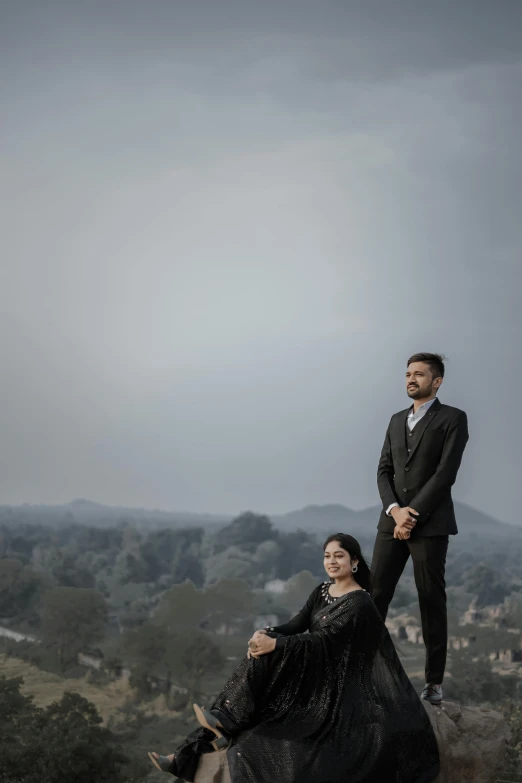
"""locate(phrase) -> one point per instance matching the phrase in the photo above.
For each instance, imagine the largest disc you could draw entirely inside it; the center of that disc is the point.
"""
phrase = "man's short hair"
(435, 362)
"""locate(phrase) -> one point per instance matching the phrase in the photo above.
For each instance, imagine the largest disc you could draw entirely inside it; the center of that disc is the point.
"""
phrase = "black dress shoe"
(432, 693)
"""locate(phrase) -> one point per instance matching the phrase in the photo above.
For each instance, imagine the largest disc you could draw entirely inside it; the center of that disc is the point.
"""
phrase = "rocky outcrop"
(213, 768)
(472, 742)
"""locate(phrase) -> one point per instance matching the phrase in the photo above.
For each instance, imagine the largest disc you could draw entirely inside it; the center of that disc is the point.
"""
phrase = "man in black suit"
(419, 462)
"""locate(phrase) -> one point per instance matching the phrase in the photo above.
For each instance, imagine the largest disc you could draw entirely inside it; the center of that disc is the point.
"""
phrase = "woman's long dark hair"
(363, 576)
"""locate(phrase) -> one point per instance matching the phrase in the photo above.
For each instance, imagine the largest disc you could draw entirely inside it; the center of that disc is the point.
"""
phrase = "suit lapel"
(402, 436)
(422, 426)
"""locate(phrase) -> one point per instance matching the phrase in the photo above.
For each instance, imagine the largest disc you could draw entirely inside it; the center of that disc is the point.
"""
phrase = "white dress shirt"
(411, 421)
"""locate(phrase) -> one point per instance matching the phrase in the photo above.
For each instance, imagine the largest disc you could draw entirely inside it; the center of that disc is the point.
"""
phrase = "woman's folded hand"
(260, 644)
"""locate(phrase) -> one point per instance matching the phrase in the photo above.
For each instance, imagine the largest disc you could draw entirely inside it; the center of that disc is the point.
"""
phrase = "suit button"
(404, 490)
(411, 434)
(406, 469)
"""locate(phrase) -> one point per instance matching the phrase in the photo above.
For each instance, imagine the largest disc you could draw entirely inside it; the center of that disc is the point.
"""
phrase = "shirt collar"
(422, 408)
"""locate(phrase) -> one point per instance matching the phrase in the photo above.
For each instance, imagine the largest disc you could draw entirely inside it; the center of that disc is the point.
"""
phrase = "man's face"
(420, 383)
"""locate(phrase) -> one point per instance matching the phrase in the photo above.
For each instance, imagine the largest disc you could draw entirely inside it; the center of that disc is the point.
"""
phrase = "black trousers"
(428, 553)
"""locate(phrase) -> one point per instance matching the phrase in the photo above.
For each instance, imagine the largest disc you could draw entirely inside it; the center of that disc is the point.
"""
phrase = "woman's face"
(337, 561)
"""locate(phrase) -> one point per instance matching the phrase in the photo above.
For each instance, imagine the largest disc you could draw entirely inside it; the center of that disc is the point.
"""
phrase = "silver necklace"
(331, 599)
(325, 592)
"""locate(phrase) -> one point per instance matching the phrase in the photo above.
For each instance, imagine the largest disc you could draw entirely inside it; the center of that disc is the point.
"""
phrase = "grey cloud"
(225, 232)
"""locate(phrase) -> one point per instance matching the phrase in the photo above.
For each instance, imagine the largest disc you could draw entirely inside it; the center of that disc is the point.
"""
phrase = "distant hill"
(88, 512)
(321, 519)
(337, 518)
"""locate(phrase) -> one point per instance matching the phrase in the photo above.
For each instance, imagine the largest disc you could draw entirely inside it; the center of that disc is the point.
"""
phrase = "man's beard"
(419, 394)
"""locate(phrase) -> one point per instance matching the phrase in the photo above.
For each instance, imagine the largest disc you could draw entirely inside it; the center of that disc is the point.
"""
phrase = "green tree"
(182, 607)
(174, 552)
(194, 658)
(68, 572)
(132, 603)
(267, 557)
(18, 586)
(513, 713)
(60, 564)
(129, 565)
(146, 650)
(473, 681)
(73, 619)
(231, 564)
(181, 658)
(140, 681)
(299, 552)
(131, 568)
(486, 585)
(403, 597)
(229, 600)
(513, 617)
(63, 742)
(147, 644)
(297, 590)
(246, 531)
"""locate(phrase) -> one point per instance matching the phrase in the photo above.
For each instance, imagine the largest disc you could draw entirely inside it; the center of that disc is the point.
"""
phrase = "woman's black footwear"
(209, 721)
(163, 763)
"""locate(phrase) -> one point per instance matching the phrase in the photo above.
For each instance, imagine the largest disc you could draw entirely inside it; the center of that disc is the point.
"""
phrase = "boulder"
(213, 768)
(472, 742)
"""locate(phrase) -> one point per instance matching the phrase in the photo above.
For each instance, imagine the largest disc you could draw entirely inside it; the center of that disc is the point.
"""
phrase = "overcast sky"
(226, 225)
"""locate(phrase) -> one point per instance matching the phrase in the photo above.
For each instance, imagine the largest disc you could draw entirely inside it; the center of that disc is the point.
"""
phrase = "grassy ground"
(162, 729)
(47, 688)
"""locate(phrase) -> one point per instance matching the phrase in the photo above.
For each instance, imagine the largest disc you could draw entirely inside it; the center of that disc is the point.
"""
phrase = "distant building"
(91, 658)
(506, 656)
(275, 586)
(461, 642)
(405, 628)
(265, 621)
(486, 616)
(472, 616)
(7, 633)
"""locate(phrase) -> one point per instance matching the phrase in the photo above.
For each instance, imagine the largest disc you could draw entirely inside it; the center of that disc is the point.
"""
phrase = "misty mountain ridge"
(323, 518)
(319, 518)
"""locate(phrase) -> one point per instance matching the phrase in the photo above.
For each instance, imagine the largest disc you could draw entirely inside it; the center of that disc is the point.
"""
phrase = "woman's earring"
(355, 568)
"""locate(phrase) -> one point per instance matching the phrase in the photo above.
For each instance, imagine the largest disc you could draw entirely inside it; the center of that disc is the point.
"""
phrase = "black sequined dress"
(331, 704)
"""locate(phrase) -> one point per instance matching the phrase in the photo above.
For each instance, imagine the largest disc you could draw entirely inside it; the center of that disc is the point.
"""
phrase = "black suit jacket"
(423, 478)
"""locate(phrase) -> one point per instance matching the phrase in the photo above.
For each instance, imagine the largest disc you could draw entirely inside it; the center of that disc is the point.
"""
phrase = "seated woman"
(321, 699)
